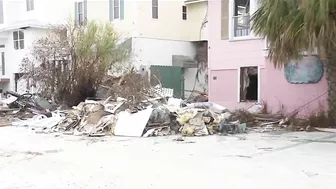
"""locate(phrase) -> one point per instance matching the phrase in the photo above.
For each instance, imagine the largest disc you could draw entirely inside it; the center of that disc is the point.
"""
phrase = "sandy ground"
(270, 161)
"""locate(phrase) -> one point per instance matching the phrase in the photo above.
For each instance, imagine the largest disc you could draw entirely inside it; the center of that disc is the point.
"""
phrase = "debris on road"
(25, 106)
(156, 116)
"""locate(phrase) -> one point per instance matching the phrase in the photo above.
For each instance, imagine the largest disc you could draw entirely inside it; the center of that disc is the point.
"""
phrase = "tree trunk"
(331, 77)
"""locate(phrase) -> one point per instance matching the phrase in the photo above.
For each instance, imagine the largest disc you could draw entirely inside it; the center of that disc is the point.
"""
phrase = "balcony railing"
(241, 25)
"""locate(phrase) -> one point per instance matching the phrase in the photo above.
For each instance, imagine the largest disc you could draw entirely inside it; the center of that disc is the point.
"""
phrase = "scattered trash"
(25, 105)
(179, 139)
(159, 131)
(232, 128)
(195, 127)
(40, 122)
(257, 108)
(208, 105)
(175, 102)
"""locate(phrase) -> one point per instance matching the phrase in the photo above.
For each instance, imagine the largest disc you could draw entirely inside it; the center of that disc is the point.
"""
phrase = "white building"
(164, 33)
(21, 23)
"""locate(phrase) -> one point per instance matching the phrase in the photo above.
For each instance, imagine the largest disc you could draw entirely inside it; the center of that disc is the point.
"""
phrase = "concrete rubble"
(157, 116)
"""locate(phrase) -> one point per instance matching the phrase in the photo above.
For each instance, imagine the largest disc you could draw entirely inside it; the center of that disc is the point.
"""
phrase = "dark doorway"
(249, 84)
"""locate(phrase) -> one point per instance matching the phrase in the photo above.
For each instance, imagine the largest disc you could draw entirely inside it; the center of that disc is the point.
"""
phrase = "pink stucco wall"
(310, 98)
(223, 88)
(225, 58)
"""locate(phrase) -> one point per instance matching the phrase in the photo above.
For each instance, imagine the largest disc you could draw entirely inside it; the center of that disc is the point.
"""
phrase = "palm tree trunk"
(331, 77)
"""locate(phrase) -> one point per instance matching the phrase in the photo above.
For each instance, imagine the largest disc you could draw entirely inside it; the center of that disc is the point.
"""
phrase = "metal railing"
(241, 25)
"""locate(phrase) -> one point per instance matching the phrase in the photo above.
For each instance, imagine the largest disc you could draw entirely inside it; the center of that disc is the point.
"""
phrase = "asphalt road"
(282, 160)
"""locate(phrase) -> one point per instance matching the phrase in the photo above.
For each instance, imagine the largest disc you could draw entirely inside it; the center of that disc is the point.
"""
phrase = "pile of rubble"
(159, 116)
(22, 106)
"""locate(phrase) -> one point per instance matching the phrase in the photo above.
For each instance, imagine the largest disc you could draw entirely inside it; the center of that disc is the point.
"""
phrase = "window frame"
(17, 42)
(1, 12)
(30, 5)
(184, 12)
(232, 4)
(116, 7)
(80, 12)
(155, 9)
(3, 63)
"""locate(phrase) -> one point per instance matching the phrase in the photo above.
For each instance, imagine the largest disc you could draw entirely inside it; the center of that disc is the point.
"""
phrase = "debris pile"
(156, 116)
(24, 106)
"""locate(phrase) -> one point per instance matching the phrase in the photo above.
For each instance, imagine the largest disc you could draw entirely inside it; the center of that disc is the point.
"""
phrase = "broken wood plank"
(265, 119)
(273, 116)
(5, 124)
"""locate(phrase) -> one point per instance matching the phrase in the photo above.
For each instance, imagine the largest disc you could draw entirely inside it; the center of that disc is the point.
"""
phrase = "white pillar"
(253, 8)
(231, 13)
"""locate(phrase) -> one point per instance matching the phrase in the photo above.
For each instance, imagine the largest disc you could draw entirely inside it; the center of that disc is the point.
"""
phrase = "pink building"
(240, 74)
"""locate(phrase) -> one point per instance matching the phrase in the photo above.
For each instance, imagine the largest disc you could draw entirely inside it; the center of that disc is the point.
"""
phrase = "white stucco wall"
(60, 11)
(147, 51)
(138, 21)
(13, 58)
(45, 11)
(98, 10)
(197, 14)
(170, 24)
(14, 10)
(15, 14)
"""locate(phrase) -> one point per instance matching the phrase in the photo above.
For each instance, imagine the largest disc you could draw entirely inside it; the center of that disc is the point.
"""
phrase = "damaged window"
(241, 18)
(242, 7)
(249, 84)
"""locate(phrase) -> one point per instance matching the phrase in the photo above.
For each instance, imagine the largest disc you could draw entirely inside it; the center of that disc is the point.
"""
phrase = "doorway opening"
(249, 84)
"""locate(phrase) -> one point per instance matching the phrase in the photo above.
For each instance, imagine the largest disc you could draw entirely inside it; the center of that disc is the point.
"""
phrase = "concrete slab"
(277, 160)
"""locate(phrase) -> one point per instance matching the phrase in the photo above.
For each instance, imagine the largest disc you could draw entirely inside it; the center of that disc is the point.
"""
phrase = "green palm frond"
(293, 26)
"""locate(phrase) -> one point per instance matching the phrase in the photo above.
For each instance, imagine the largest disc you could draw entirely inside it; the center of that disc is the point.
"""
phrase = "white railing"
(241, 25)
(193, 1)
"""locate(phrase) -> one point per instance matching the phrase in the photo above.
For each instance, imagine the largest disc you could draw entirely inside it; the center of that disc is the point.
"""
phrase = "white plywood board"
(132, 124)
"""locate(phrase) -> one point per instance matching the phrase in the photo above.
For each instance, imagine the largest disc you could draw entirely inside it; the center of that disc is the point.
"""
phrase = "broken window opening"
(249, 84)
(242, 7)
(241, 18)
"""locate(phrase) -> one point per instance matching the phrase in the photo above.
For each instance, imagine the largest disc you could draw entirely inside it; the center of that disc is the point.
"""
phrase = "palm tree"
(295, 26)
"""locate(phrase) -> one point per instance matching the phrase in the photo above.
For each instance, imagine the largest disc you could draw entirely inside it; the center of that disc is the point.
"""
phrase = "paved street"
(277, 160)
